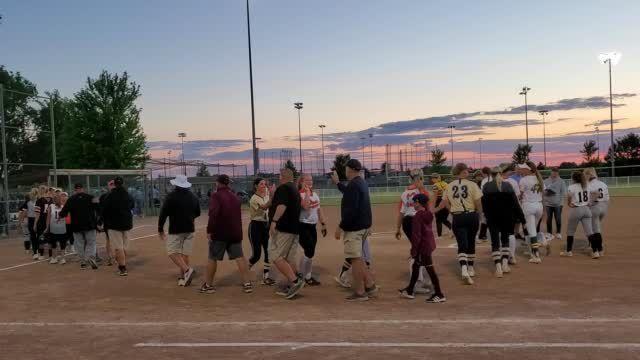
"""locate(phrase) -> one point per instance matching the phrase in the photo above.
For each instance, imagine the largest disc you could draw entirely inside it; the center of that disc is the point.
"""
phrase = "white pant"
(533, 214)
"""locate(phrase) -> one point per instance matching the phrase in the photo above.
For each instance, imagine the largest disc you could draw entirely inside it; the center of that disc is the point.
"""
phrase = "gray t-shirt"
(30, 208)
(555, 192)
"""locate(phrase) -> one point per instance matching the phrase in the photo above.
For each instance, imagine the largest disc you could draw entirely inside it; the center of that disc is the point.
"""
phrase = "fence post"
(5, 169)
(53, 144)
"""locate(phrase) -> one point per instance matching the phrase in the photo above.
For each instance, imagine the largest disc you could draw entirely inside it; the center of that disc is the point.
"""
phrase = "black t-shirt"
(42, 205)
(288, 195)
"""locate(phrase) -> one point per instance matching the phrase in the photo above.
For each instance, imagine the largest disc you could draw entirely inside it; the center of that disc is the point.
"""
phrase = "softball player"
(439, 187)
(463, 199)
(531, 188)
(507, 173)
(310, 215)
(406, 212)
(599, 192)
(579, 212)
(259, 228)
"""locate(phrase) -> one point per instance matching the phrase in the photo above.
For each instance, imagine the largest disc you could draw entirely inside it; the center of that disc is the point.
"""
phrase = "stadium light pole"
(363, 149)
(525, 91)
(611, 59)
(322, 126)
(298, 106)
(598, 141)
(480, 145)
(370, 151)
(544, 113)
(451, 127)
(257, 155)
(253, 117)
(183, 135)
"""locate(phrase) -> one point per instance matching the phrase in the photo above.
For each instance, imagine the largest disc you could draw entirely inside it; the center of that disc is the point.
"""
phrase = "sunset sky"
(400, 70)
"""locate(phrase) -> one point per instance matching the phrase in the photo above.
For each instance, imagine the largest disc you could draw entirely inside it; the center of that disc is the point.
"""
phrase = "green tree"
(521, 153)
(203, 171)
(437, 158)
(568, 165)
(104, 131)
(627, 150)
(340, 165)
(588, 151)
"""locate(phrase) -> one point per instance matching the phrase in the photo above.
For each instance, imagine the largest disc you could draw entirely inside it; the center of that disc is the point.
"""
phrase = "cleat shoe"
(467, 280)
(404, 294)
(505, 266)
(268, 282)
(596, 255)
(355, 297)
(566, 254)
(207, 289)
(535, 259)
(62, 261)
(342, 282)
(471, 271)
(53, 260)
(436, 299)
(35, 256)
(247, 288)
(499, 271)
(180, 282)
(93, 263)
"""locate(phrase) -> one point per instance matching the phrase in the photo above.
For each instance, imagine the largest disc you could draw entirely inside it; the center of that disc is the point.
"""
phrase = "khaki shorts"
(353, 241)
(283, 246)
(119, 239)
(180, 244)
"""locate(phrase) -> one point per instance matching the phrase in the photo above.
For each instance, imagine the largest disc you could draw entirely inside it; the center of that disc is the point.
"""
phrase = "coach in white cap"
(181, 206)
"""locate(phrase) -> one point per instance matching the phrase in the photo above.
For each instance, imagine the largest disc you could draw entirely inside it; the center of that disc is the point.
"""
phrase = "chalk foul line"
(299, 345)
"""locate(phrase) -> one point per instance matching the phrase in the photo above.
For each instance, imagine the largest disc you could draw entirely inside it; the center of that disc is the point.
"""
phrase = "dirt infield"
(565, 308)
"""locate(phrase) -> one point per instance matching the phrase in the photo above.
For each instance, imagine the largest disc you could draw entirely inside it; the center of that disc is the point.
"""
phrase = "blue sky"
(356, 64)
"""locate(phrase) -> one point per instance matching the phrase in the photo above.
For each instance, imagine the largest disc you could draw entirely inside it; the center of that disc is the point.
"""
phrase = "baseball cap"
(78, 186)
(118, 181)
(354, 164)
(224, 179)
(421, 199)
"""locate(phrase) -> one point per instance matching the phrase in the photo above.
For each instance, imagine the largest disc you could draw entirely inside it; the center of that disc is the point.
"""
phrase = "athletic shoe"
(505, 266)
(247, 288)
(181, 282)
(109, 262)
(471, 271)
(356, 297)
(535, 259)
(312, 282)
(467, 280)
(93, 263)
(41, 257)
(123, 272)
(53, 260)
(499, 272)
(372, 291)
(268, 282)
(513, 260)
(566, 253)
(436, 299)
(62, 261)
(207, 289)
(83, 266)
(342, 282)
(404, 294)
(98, 259)
(283, 291)
(295, 289)
(559, 236)
(596, 255)
(188, 276)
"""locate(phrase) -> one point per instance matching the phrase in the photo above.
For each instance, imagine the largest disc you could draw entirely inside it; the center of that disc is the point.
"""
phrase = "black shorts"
(217, 249)
(55, 239)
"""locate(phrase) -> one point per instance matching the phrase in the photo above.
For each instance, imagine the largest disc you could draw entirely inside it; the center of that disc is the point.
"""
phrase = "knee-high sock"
(434, 280)
(305, 267)
(512, 245)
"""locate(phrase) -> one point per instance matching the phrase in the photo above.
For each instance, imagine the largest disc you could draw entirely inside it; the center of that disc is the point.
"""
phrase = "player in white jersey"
(531, 188)
(599, 192)
(579, 212)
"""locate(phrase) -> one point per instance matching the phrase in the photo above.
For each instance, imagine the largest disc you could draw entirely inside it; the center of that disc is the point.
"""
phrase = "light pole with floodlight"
(183, 135)
(612, 58)
(451, 127)
(322, 126)
(525, 91)
(544, 113)
(298, 106)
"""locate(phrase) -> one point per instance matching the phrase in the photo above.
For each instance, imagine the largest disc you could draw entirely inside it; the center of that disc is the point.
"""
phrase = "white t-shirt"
(515, 186)
(310, 216)
(406, 201)
(602, 190)
(577, 195)
(530, 189)
(58, 224)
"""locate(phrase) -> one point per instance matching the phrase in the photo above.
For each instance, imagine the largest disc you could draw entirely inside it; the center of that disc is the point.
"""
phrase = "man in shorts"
(118, 221)
(225, 235)
(284, 231)
(83, 213)
(356, 219)
(182, 207)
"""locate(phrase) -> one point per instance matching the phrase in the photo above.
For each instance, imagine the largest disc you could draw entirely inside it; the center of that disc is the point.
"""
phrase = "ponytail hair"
(535, 171)
(579, 178)
(496, 172)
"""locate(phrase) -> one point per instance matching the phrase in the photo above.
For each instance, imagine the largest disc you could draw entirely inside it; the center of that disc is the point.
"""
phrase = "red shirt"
(225, 220)
(423, 243)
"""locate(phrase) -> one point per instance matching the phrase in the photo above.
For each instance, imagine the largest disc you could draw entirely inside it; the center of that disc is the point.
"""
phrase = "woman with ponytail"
(531, 188)
(578, 200)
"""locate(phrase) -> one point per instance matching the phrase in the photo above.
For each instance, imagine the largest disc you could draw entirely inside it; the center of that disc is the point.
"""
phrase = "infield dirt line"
(300, 345)
(531, 321)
